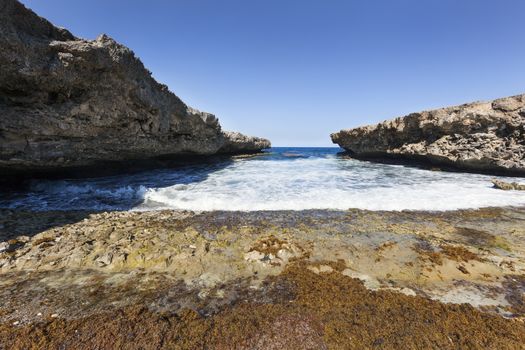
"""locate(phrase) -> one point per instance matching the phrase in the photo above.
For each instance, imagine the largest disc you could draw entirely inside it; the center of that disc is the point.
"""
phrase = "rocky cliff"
(487, 137)
(68, 102)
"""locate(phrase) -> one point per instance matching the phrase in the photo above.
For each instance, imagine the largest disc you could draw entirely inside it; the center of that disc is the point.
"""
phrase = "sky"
(295, 71)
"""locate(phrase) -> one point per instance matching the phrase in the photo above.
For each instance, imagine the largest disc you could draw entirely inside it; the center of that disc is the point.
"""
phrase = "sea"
(281, 178)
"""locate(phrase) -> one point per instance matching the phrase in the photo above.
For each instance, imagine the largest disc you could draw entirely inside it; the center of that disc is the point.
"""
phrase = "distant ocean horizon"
(281, 178)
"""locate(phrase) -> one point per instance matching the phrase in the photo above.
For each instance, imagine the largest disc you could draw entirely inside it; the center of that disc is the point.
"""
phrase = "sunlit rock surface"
(484, 137)
(263, 279)
(67, 102)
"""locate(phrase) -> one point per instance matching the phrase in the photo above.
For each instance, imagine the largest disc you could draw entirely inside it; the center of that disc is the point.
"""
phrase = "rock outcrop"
(487, 137)
(236, 143)
(508, 186)
(68, 102)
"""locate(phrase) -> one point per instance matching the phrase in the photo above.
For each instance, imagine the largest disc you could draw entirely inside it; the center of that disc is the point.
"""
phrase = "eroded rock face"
(481, 136)
(235, 142)
(65, 101)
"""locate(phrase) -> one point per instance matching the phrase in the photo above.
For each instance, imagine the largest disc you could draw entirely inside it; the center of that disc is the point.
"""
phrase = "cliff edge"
(485, 137)
(68, 102)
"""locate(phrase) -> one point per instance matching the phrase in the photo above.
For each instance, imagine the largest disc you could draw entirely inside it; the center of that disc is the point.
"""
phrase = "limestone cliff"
(68, 102)
(486, 137)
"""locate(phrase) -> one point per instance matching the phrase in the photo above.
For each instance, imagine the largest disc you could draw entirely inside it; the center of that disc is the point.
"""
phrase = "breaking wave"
(285, 178)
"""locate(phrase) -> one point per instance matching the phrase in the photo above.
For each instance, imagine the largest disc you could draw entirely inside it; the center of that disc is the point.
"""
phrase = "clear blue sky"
(295, 71)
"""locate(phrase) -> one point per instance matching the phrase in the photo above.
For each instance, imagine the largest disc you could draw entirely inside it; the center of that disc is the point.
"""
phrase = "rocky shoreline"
(175, 279)
(286, 279)
(484, 137)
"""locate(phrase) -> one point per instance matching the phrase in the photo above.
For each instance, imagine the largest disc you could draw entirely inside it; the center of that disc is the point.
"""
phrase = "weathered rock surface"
(66, 102)
(508, 186)
(262, 280)
(484, 137)
(237, 143)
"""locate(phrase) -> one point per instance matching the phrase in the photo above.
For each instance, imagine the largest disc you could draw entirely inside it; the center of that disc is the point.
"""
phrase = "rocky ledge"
(68, 102)
(236, 142)
(263, 280)
(487, 137)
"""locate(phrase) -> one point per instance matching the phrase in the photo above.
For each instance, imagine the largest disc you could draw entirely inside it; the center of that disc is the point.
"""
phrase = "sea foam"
(283, 179)
(330, 183)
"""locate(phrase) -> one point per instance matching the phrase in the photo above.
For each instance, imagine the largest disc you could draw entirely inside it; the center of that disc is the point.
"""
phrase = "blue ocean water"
(281, 178)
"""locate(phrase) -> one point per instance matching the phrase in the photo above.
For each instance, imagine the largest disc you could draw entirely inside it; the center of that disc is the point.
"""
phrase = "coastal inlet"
(278, 179)
(188, 257)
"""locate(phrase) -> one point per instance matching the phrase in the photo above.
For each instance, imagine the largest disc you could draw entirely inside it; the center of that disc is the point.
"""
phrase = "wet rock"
(486, 137)
(508, 186)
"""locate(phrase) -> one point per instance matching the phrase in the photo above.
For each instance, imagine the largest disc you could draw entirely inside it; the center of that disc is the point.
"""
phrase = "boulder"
(508, 186)
(485, 137)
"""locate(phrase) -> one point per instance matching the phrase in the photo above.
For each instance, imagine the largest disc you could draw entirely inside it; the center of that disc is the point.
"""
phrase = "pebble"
(320, 269)
(254, 255)
(284, 254)
(325, 268)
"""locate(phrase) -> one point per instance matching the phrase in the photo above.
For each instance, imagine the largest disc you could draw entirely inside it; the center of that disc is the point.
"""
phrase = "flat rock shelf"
(314, 279)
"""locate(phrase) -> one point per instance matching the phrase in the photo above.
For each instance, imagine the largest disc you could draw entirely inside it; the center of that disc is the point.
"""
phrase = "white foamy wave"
(281, 180)
(330, 183)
